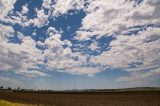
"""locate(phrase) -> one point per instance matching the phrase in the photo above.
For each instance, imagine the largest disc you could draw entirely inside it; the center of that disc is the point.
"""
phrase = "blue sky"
(79, 44)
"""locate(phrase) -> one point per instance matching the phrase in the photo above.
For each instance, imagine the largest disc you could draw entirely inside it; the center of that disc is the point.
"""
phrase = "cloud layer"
(134, 25)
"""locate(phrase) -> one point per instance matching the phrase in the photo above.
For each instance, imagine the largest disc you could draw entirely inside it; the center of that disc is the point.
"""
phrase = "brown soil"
(148, 98)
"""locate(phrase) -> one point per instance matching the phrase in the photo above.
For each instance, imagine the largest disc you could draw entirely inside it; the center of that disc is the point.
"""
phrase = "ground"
(127, 98)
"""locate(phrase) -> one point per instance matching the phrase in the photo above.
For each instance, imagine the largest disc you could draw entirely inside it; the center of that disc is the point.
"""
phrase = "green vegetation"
(6, 103)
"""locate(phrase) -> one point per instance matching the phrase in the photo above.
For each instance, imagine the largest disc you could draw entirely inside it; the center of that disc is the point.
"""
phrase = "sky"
(79, 44)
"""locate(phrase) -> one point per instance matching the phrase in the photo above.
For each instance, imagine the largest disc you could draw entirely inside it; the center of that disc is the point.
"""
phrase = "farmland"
(125, 98)
(6, 103)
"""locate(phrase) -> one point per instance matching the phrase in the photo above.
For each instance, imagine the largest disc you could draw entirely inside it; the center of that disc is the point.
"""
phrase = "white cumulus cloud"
(105, 17)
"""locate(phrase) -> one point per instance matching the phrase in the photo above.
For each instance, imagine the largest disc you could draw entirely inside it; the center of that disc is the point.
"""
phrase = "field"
(6, 103)
(127, 98)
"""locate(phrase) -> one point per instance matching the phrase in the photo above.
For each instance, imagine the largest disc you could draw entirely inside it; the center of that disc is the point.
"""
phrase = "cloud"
(105, 17)
(126, 50)
(83, 70)
(94, 46)
(6, 32)
(6, 6)
(141, 76)
(46, 3)
(51, 31)
(31, 74)
(133, 53)
(21, 17)
(24, 9)
(55, 9)
(18, 57)
(62, 7)
(40, 21)
(24, 58)
(60, 58)
(10, 81)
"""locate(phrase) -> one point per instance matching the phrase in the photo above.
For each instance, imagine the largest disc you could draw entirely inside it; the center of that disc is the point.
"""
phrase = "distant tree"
(1, 87)
(9, 88)
(18, 88)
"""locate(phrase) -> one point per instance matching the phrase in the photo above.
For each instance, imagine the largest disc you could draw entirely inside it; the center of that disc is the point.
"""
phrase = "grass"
(6, 103)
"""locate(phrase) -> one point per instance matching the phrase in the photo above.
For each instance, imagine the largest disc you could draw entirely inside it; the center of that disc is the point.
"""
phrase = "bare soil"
(140, 98)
